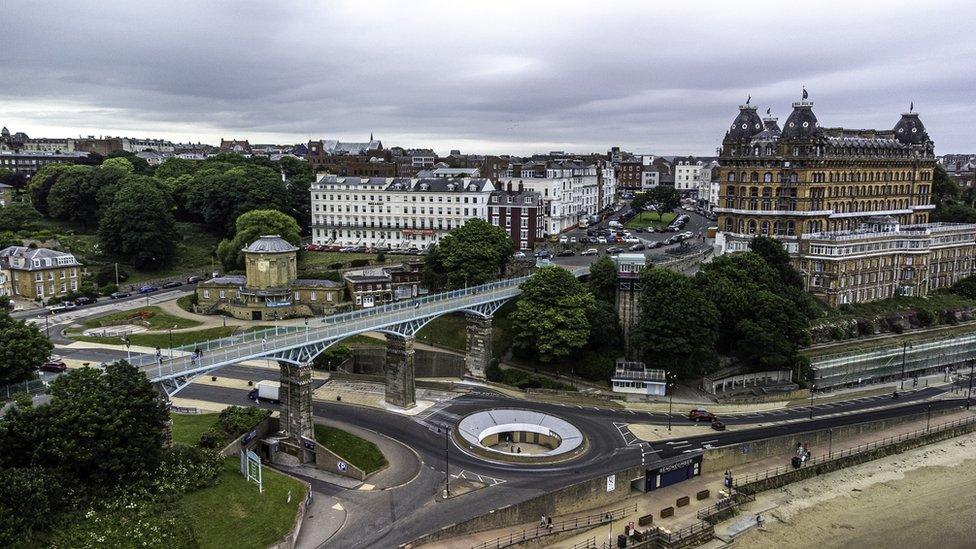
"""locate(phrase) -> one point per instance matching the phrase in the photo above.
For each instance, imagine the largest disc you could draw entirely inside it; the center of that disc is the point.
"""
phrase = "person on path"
(159, 356)
(199, 352)
(264, 344)
(542, 521)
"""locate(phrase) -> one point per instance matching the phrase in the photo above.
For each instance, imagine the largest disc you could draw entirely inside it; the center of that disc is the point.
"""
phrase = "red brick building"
(519, 213)
(629, 175)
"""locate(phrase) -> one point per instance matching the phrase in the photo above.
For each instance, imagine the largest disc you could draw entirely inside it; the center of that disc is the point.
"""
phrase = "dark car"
(614, 250)
(637, 248)
(53, 366)
(172, 284)
(85, 300)
(718, 425)
(119, 295)
(701, 414)
(148, 289)
(654, 245)
(193, 279)
(566, 253)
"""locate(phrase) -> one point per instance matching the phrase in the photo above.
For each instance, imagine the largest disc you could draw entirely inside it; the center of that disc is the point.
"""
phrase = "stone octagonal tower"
(271, 263)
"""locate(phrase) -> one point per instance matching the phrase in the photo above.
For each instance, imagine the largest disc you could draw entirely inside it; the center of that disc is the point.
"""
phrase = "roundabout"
(519, 436)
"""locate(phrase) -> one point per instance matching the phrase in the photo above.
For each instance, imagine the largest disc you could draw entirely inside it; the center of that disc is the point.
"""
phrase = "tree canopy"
(603, 280)
(472, 254)
(550, 319)
(22, 349)
(217, 195)
(664, 199)
(139, 225)
(249, 227)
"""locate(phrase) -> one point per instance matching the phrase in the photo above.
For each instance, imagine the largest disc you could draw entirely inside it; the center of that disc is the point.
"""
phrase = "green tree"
(604, 326)
(31, 499)
(174, 167)
(249, 227)
(40, 185)
(82, 192)
(218, 196)
(18, 217)
(22, 349)
(677, 326)
(139, 165)
(474, 253)
(603, 280)
(550, 318)
(943, 187)
(954, 212)
(965, 287)
(139, 225)
(664, 199)
(118, 163)
(776, 256)
(9, 238)
(101, 428)
(16, 180)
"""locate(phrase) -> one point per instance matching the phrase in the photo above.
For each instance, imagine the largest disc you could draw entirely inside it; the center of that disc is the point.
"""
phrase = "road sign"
(611, 483)
(252, 469)
(341, 465)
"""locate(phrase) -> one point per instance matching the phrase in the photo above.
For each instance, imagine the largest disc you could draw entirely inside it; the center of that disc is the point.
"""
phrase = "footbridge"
(294, 347)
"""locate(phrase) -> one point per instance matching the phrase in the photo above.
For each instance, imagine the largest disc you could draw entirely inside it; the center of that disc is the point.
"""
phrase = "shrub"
(232, 423)
(336, 266)
(359, 263)
(836, 332)
(381, 258)
(925, 317)
(865, 327)
(897, 328)
(187, 469)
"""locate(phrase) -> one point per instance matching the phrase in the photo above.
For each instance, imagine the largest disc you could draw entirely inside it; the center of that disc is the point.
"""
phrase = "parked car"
(613, 250)
(172, 284)
(718, 425)
(591, 251)
(519, 255)
(85, 300)
(654, 245)
(119, 295)
(194, 279)
(631, 240)
(566, 253)
(701, 414)
(637, 248)
(56, 366)
(148, 289)
(572, 240)
(563, 239)
(61, 307)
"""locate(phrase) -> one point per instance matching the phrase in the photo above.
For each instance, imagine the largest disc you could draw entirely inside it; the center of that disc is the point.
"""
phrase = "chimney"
(520, 185)
(508, 187)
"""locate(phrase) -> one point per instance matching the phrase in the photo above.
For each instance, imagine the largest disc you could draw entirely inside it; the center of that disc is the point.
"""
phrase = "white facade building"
(572, 191)
(687, 173)
(399, 212)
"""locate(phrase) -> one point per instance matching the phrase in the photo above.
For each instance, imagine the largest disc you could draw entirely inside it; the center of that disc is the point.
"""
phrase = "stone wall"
(581, 496)
(327, 460)
(426, 363)
(735, 455)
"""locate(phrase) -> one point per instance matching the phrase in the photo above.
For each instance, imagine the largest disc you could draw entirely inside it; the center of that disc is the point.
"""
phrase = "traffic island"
(515, 435)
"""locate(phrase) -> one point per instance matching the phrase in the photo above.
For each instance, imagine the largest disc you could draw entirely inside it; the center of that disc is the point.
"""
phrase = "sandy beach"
(922, 498)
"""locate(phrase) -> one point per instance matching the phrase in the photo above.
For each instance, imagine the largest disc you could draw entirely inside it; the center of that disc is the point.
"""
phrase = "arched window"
(767, 177)
(732, 176)
(752, 227)
(765, 227)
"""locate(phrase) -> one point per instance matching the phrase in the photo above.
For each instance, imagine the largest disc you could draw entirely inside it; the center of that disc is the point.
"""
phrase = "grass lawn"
(187, 428)
(646, 219)
(449, 331)
(363, 340)
(163, 340)
(234, 514)
(153, 316)
(361, 453)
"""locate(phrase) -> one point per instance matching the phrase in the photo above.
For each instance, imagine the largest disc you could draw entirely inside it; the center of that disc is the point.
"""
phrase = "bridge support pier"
(478, 355)
(400, 389)
(295, 395)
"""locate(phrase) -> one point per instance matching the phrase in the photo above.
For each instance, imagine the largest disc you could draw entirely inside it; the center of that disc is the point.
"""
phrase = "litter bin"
(621, 540)
(796, 462)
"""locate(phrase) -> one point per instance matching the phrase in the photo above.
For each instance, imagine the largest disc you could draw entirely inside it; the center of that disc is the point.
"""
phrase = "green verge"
(447, 331)
(187, 428)
(155, 317)
(650, 219)
(163, 340)
(361, 453)
(234, 514)
(362, 340)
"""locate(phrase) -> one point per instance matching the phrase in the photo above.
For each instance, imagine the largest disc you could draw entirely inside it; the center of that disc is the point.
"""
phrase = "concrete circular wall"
(481, 430)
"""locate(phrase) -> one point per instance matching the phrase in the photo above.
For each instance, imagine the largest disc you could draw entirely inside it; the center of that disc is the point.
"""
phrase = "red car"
(701, 414)
(53, 366)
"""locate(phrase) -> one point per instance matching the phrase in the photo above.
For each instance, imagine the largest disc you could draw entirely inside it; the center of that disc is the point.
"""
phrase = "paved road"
(402, 514)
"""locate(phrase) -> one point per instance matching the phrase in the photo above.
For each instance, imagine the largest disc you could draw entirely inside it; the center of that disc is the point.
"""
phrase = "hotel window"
(221, 294)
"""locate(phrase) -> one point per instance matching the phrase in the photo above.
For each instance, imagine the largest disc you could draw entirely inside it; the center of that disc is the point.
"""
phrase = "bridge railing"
(260, 343)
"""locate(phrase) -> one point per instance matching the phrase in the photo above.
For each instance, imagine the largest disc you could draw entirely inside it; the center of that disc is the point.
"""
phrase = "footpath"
(652, 503)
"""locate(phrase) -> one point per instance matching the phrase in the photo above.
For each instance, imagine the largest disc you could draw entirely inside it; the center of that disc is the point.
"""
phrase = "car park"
(148, 289)
(701, 414)
(172, 284)
(591, 251)
(53, 365)
(119, 295)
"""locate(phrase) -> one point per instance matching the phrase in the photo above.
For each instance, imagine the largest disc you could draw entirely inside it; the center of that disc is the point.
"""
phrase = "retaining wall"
(327, 460)
(261, 430)
(588, 494)
(726, 457)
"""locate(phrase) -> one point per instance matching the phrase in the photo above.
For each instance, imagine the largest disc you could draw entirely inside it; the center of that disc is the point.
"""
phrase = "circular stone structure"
(516, 435)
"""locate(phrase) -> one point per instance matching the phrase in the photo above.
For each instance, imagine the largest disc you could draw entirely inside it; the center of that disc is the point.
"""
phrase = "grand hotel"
(851, 206)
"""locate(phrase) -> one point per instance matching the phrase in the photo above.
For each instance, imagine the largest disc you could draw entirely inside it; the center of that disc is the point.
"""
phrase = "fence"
(566, 525)
(742, 483)
(32, 387)
(588, 544)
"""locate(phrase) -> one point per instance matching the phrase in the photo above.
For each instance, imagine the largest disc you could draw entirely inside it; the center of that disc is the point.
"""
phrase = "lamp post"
(274, 316)
(830, 443)
(928, 416)
(171, 342)
(670, 385)
(812, 387)
(904, 347)
(970, 393)
(128, 354)
(447, 462)
(47, 327)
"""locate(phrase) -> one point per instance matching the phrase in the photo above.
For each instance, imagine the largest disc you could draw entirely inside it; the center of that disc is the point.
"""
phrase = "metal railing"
(587, 544)
(831, 456)
(178, 361)
(565, 525)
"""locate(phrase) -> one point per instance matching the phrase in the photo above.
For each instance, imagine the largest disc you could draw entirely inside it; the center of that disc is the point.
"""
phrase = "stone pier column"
(400, 390)
(295, 395)
(478, 356)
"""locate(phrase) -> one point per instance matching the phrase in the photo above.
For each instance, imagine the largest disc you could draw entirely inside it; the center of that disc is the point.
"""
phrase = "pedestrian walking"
(199, 352)
(549, 522)
(159, 356)
(542, 521)
(264, 344)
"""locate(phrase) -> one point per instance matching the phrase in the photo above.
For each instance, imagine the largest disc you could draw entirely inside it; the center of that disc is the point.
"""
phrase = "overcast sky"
(494, 76)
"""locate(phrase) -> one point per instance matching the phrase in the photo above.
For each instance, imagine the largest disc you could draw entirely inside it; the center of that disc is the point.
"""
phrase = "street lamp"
(447, 462)
(970, 393)
(904, 347)
(171, 342)
(812, 387)
(670, 385)
(274, 316)
(47, 327)
(830, 443)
